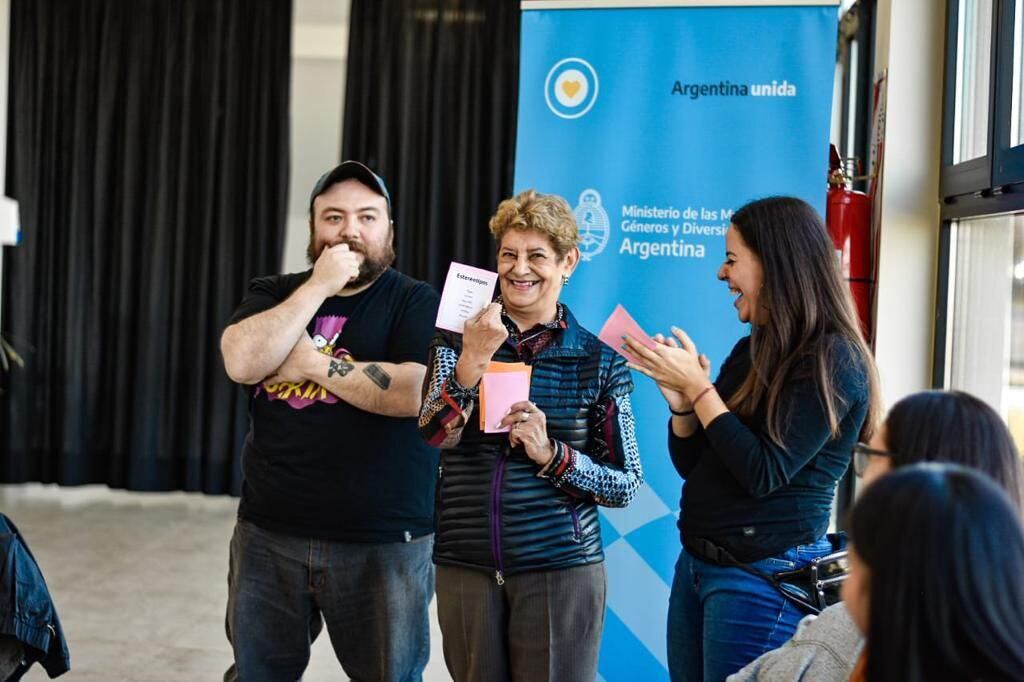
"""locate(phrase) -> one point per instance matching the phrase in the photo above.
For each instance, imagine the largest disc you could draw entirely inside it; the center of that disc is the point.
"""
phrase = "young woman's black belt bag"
(811, 588)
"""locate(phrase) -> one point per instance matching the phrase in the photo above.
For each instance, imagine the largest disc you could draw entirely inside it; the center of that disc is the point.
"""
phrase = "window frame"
(943, 303)
(982, 187)
(975, 175)
(1008, 162)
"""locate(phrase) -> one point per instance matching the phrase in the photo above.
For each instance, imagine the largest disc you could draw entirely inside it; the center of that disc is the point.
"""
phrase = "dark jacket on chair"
(26, 611)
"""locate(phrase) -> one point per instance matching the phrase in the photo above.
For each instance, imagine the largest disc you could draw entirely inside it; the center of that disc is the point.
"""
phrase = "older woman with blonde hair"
(520, 574)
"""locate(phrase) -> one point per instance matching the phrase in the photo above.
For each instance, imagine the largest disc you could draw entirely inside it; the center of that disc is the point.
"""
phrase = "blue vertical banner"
(656, 124)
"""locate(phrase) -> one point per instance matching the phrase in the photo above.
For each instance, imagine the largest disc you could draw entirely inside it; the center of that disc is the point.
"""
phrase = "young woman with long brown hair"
(762, 447)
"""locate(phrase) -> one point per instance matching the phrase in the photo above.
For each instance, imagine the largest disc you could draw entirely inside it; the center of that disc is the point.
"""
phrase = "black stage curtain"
(148, 148)
(430, 103)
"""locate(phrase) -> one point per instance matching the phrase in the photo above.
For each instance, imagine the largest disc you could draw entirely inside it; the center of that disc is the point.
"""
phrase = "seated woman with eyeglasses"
(931, 426)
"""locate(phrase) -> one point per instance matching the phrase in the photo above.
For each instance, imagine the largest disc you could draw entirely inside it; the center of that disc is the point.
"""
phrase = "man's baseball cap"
(350, 170)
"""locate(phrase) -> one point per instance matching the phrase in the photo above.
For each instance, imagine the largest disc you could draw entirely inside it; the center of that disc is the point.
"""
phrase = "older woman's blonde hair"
(548, 214)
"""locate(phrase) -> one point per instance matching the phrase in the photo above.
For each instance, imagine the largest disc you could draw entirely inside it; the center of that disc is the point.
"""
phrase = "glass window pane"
(973, 67)
(1017, 111)
(986, 331)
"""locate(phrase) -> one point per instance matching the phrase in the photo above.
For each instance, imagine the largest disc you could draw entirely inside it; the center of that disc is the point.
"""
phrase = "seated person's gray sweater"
(824, 648)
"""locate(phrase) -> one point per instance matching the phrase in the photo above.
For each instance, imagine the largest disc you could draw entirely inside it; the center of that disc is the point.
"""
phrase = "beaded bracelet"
(702, 394)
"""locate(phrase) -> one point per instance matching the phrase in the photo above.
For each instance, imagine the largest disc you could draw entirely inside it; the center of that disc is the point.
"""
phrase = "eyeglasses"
(862, 454)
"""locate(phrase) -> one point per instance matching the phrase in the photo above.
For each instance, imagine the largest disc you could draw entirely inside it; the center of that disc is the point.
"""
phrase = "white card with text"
(467, 291)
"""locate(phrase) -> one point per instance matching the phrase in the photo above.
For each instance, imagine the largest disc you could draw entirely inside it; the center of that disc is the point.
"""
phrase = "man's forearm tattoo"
(341, 367)
(378, 376)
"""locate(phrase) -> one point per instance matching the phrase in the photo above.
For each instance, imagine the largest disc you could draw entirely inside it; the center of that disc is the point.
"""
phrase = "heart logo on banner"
(570, 88)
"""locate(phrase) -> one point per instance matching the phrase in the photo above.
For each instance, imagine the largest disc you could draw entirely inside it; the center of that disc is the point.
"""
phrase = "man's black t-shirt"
(316, 466)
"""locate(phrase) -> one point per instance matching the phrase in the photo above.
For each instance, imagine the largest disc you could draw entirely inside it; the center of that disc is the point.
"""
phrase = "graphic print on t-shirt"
(326, 331)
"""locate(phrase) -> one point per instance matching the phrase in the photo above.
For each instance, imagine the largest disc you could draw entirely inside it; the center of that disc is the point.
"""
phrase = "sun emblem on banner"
(570, 89)
(592, 221)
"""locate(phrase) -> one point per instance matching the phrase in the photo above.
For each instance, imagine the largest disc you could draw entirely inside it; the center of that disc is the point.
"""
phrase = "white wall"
(319, 59)
(909, 43)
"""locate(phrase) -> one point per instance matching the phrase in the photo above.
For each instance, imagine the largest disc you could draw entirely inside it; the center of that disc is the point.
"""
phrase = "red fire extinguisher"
(848, 219)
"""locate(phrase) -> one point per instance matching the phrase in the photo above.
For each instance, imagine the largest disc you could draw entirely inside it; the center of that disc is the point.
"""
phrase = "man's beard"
(371, 267)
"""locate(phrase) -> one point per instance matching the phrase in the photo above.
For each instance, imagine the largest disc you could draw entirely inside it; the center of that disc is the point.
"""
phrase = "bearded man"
(335, 523)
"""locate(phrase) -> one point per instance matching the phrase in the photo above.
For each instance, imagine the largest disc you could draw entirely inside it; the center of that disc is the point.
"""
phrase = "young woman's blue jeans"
(721, 618)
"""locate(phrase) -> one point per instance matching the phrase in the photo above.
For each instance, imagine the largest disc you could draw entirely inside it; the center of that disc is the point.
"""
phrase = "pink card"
(622, 324)
(502, 389)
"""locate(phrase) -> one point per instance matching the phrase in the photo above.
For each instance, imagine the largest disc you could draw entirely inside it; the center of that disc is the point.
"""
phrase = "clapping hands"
(680, 371)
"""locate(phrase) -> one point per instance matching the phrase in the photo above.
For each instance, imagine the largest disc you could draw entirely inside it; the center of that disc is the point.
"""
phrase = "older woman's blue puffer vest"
(493, 512)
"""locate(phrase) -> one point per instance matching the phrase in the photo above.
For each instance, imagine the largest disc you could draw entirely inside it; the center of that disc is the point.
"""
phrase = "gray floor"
(139, 582)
